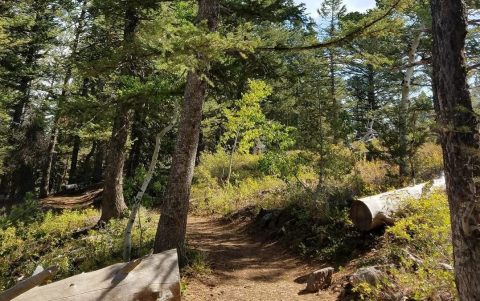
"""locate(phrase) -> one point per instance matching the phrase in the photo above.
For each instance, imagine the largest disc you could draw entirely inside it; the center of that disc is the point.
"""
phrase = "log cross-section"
(152, 278)
(371, 212)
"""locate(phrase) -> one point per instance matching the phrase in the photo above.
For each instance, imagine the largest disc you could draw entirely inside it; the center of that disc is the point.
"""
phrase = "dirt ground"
(245, 268)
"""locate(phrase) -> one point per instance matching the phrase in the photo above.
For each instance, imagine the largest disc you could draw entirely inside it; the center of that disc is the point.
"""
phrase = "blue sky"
(352, 5)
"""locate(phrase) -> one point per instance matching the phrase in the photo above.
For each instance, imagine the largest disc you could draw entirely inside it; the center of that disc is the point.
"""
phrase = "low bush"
(417, 252)
(250, 184)
(428, 161)
(374, 176)
(46, 239)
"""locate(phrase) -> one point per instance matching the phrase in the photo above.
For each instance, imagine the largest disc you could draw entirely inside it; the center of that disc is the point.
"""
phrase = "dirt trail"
(244, 268)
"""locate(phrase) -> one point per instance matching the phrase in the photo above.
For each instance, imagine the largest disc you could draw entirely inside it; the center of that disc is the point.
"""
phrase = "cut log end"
(361, 216)
(374, 211)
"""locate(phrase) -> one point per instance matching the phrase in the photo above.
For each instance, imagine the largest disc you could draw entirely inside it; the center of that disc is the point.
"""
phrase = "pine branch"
(335, 42)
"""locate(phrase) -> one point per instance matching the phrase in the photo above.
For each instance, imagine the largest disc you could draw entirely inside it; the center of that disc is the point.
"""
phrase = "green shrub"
(428, 161)
(48, 240)
(419, 246)
(374, 176)
(209, 194)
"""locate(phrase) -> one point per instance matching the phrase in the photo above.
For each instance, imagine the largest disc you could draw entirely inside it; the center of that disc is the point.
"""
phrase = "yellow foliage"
(210, 193)
(428, 161)
(374, 175)
(421, 241)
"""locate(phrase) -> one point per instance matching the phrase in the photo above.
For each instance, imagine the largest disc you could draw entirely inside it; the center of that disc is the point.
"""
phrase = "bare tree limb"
(127, 242)
(334, 42)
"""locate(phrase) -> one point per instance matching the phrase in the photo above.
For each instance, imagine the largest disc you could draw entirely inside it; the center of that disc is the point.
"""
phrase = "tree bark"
(173, 220)
(404, 106)
(371, 97)
(46, 174)
(460, 141)
(138, 139)
(98, 162)
(230, 163)
(113, 204)
(374, 211)
(72, 175)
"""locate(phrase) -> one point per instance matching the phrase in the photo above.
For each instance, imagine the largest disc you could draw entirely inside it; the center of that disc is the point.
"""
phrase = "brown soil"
(245, 268)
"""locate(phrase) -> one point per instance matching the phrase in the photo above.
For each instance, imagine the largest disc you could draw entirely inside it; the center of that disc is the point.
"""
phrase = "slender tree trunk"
(46, 175)
(404, 106)
(173, 220)
(113, 204)
(21, 106)
(230, 163)
(321, 167)
(98, 163)
(137, 138)
(371, 97)
(460, 141)
(72, 175)
(127, 242)
(47, 169)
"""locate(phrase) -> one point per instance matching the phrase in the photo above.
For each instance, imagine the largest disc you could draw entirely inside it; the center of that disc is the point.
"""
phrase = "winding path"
(244, 268)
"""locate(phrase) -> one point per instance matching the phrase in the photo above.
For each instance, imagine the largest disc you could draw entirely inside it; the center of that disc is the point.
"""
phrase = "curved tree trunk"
(113, 204)
(173, 220)
(457, 123)
(127, 241)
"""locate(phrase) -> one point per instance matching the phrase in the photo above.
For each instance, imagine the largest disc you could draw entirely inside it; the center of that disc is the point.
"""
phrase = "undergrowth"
(417, 252)
(30, 237)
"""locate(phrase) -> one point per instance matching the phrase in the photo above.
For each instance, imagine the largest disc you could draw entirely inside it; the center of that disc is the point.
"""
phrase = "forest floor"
(246, 268)
(242, 265)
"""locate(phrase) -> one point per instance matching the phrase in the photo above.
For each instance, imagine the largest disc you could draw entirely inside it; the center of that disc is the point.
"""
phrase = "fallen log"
(154, 277)
(29, 283)
(374, 211)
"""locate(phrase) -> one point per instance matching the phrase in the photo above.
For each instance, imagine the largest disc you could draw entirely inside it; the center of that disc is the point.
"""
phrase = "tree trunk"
(173, 220)
(47, 169)
(113, 203)
(72, 176)
(137, 138)
(457, 124)
(230, 163)
(404, 106)
(46, 174)
(98, 163)
(371, 97)
(21, 106)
